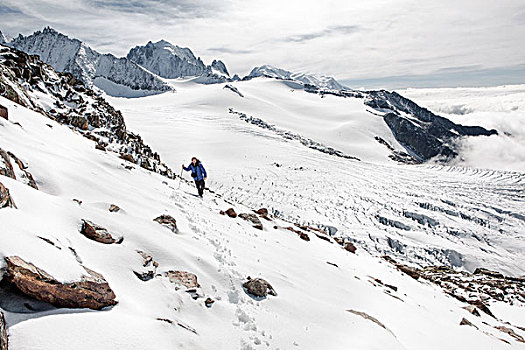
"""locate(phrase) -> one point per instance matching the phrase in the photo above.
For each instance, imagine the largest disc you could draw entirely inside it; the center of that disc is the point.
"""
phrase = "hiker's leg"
(197, 185)
(201, 187)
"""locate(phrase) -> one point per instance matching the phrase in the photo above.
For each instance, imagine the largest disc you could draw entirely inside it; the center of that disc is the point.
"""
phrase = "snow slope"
(310, 310)
(501, 108)
(425, 214)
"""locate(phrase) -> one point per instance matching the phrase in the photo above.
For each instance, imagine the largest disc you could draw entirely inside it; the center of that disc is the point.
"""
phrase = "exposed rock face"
(220, 67)
(3, 332)
(168, 221)
(187, 279)
(98, 233)
(23, 78)
(465, 322)
(424, 134)
(167, 60)
(349, 246)
(5, 198)
(304, 236)
(253, 219)
(511, 332)
(231, 213)
(4, 113)
(75, 57)
(259, 287)
(92, 291)
(10, 170)
(262, 212)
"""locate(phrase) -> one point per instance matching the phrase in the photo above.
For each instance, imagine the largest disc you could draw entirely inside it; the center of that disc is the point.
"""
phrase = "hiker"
(198, 173)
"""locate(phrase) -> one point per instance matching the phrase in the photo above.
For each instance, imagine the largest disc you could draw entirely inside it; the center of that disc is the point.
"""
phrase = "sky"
(370, 44)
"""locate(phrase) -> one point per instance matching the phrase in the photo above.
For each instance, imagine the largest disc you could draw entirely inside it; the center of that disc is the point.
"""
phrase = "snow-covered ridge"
(319, 81)
(74, 56)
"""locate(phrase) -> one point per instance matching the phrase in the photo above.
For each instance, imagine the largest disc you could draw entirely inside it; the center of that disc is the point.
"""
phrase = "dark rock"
(167, 221)
(253, 219)
(231, 213)
(209, 302)
(482, 271)
(6, 168)
(4, 112)
(148, 259)
(5, 198)
(473, 310)
(145, 276)
(511, 332)
(184, 278)
(465, 322)
(80, 122)
(411, 271)
(91, 291)
(77, 200)
(349, 246)
(3, 332)
(114, 208)
(128, 157)
(98, 233)
(100, 147)
(482, 306)
(258, 287)
(262, 212)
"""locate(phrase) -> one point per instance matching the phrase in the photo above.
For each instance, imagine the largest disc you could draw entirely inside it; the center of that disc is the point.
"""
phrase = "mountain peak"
(319, 81)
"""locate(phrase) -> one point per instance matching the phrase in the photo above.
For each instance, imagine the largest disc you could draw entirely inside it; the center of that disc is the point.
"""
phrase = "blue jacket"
(199, 169)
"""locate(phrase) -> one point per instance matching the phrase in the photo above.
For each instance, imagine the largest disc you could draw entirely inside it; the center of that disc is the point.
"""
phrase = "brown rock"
(349, 246)
(465, 322)
(114, 208)
(323, 236)
(259, 287)
(482, 306)
(411, 271)
(98, 233)
(26, 175)
(231, 213)
(80, 122)
(185, 278)
(3, 332)
(6, 168)
(5, 198)
(145, 276)
(482, 271)
(304, 236)
(209, 302)
(511, 332)
(472, 309)
(253, 219)
(222, 212)
(128, 157)
(4, 114)
(91, 291)
(100, 147)
(262, 212)
(168, 221)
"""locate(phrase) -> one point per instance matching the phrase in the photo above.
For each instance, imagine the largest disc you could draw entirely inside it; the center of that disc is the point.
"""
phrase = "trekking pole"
(180, 179)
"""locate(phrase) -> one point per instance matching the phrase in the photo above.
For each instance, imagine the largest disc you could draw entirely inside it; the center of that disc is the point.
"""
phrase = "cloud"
(333, 30)
(229, 50)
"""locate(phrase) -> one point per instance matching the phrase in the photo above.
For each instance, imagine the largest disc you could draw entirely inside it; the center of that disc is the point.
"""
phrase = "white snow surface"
(310, 310)
(501, 108)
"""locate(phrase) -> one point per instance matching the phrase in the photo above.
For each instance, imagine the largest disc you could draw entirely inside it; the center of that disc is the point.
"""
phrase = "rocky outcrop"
(231, 213)
(6, 201)
(73, 56)
(187, 279)
(98, 233)
(253, 219)
(23, 80)
(349, 246)
(465, 322)
(167, 221)
(114, 208)
(91, 291)
(423, 133)
(3, 332)
(24, 175)
(511, 332)
(4, 113)
(258, 287)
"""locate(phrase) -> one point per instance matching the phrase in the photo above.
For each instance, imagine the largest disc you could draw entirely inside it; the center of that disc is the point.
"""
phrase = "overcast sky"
(374, 43)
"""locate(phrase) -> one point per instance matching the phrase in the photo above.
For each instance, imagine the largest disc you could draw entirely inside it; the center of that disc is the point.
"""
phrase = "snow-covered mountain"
(320, 81)
(171, 61)
(98, 252)
(167, 60)
(3, 38)
(118, 76)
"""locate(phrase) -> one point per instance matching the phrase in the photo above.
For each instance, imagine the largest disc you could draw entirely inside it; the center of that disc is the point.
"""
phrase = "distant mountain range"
(144, 70)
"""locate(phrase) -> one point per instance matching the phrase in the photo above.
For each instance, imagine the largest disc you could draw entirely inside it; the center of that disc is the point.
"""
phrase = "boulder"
(91, 291)
(145, 276)
(511, 332)
(98, 233)
(100, 147)
(5, 198)
(258, 287)
(6, 168)
(411, 271)
(209, 302)
(128, 157)
(168, 221)
(27, 177)
(253, 219)
(80, 122)
(349, 246)
(4, 114)
(114, 208)
(231, 213)
(3, 332)
(472, 310)
(185, 278)
(465, 322)
(262, 212)
(486, 272)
